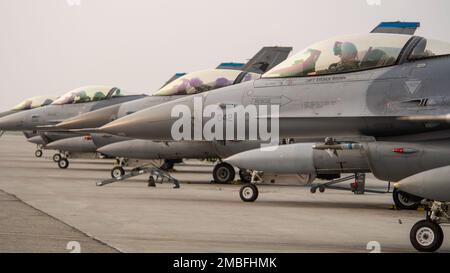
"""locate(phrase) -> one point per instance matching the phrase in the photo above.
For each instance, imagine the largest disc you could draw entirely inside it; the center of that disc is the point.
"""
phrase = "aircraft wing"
(266, 59)
(397, 27)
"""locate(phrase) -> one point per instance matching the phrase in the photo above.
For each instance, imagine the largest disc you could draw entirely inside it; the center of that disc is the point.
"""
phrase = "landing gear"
(38, 153)
(405, 201)
(427, 235)
(57, 157)
(249, 193)
(245, 176)
(223, 173)
(117, 172)
(167, 166)
(63, 163)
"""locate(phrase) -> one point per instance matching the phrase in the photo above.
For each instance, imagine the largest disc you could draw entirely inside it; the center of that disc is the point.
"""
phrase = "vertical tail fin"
(266, 59)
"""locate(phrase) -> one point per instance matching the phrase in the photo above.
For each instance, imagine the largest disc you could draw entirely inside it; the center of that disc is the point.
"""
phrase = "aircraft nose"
(7, 113)
(12, 122)
(114, 150)
(154, 123)
(92, 119)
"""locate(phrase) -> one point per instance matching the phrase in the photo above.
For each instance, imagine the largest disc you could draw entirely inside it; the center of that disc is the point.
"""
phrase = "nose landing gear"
(427, 235)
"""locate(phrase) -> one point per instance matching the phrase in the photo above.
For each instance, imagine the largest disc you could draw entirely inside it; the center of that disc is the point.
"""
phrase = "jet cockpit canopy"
(206, 80)
(343, 54)
(34, 102)
(88, 94)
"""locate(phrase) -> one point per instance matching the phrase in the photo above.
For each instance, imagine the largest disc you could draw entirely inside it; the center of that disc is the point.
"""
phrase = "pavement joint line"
(58, 220)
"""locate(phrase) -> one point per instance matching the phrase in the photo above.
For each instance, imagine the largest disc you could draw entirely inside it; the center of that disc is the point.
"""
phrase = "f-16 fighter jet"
(381, 99)
(192, 83)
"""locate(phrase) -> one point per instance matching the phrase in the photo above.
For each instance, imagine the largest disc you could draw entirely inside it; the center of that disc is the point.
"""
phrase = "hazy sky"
(52, 46)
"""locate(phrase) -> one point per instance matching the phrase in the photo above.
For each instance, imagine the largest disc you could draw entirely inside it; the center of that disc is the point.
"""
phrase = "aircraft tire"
(117, 172)
(249, 193)
(224, 173)
(38, 153)
(405, 201)
(63, 163)
(57, 157)
(426, 236)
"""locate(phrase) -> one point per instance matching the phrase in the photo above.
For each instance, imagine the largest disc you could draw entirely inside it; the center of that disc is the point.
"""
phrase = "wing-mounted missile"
(331, 146)
(398, 27)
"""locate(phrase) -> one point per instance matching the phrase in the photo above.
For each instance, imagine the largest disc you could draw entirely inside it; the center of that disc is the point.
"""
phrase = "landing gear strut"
(405, 201)
(427, 235)
(245, 176)
(223, 173)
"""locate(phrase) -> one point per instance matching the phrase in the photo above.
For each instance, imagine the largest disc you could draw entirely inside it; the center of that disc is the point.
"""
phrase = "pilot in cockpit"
(348, 53)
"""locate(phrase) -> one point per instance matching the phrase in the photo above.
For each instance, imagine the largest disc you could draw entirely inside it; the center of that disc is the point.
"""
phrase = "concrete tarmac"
(199, 217)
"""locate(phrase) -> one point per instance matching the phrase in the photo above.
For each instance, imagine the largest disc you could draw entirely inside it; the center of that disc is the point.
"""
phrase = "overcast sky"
(52, 46)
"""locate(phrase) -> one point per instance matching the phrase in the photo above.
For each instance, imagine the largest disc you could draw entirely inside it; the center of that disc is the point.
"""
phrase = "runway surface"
(65, 206)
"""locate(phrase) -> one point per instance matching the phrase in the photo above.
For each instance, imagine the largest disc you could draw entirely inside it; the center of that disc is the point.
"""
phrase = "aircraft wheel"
(322, 189)
(426, 236)
(405, 201)
(38, 153)
(117, 172)
(249, 193)
(57, 157)
(246, 176)
(63, 163)
(223, 173)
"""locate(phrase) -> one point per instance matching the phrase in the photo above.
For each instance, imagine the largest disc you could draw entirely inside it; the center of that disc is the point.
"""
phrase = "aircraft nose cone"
(11, 122)
(92, 119)
(75, 144)
(7, 113)
(250, 160)
(115, 149)
(154, 123)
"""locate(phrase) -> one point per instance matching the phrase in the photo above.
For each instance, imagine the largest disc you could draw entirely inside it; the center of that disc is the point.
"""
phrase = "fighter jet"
(383, 95)
(39, 120)
(192, 83)
(30, 103)
(75, 102)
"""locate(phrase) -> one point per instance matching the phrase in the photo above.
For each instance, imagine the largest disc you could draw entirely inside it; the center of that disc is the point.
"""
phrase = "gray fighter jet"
(193, 83)
(28, 104)
(381, 99)
(72, 103)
